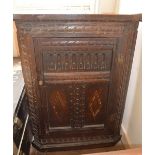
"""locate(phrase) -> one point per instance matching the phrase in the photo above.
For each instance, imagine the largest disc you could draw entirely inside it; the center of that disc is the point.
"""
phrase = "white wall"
(132, 119)
(65, 6)
(107, 6)
(54, 7)
(15, 42)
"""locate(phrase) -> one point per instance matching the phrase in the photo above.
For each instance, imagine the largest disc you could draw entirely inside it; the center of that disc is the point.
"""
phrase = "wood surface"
(76, 70)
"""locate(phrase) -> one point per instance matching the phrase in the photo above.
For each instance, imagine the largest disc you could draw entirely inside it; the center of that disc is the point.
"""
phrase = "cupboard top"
(78, 17)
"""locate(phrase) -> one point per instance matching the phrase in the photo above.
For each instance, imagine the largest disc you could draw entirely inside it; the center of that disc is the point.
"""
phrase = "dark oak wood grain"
(76, 70)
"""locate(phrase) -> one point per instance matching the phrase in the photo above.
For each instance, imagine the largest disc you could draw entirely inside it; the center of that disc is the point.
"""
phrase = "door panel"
(73, 61)
(96, 102)
(76, 82)
(59, 55)
(75, 106)
(58, 108)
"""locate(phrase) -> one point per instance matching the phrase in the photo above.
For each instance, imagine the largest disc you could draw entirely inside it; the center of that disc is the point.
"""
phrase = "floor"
(133, 151)
(118, 146)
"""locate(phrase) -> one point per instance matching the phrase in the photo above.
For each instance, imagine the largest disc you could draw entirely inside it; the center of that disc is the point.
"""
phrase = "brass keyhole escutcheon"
(40, 82)
(120, 59)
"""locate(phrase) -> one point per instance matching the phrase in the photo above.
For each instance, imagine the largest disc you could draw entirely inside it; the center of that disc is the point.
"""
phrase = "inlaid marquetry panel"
(58, 102)
(96, 102)
(58, 106)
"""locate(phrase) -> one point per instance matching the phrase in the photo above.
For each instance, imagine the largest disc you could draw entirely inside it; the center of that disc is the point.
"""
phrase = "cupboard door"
(75, 76)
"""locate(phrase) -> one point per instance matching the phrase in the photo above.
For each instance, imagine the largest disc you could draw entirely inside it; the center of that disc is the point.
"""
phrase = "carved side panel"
(30, 79)
(120, 77)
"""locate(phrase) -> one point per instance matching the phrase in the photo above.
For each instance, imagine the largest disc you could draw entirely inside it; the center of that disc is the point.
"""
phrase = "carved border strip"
(122, 63)
(72, 28)
(77, 104)
(128, 58)
(56, 141)
(31, 84)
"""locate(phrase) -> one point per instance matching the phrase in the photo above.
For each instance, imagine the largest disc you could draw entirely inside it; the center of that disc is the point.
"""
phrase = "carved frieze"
(76, 61)
(92, 28)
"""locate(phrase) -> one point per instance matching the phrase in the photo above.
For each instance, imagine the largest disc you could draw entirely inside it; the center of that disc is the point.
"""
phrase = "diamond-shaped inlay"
(58, 101)
(95, 103)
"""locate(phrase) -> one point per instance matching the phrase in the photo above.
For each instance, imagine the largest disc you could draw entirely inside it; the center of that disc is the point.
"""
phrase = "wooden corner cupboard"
(76, 70)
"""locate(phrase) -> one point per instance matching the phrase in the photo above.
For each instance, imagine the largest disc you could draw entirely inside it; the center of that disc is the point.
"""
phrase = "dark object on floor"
(21, 125)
